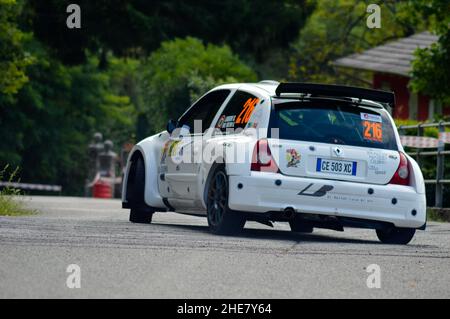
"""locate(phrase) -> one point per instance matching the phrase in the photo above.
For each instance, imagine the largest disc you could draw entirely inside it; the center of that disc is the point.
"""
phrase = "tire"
(300, 226)
(140, 212)
(221, 219)
(396, 236)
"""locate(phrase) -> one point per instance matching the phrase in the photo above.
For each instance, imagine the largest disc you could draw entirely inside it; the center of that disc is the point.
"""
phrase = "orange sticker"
(373, 131)
(247, 110)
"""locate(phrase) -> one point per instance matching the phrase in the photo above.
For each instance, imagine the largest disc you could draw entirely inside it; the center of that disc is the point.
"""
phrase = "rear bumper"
(265, 192)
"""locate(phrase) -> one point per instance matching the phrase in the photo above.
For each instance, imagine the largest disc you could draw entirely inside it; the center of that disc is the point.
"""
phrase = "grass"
(9, 204)
(437, 215)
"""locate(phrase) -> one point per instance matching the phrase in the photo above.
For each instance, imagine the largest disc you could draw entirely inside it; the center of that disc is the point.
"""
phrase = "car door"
(180, 169)
(233, 118)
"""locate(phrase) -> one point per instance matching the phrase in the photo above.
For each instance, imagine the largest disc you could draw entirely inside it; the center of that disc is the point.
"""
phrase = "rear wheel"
(399, 236)
(221, 219)
(140, 212)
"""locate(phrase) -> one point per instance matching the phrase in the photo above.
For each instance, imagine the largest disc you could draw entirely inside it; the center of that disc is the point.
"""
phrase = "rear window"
(334, 123)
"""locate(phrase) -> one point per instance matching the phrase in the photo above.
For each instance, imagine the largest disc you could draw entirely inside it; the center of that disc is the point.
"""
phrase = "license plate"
(336, 166)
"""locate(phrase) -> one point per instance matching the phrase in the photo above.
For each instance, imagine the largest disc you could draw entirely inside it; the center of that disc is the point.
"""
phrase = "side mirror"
(171, 126)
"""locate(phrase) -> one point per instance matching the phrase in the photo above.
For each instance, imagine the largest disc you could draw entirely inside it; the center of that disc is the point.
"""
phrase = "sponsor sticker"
(377, 158)
(252, 125)
(292, 157)
(220, 121)
(371, 117)
(228, 122)
(164, 151)
(173, 148)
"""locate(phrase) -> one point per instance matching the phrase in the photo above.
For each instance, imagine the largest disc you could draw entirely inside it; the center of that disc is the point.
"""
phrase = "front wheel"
(140, 212)
(398, 236)
(221, 219)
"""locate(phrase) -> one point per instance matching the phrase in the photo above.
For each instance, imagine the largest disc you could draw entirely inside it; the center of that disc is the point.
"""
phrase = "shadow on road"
(273, 234)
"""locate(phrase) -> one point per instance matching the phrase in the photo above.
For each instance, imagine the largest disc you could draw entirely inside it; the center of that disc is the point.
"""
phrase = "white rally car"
(316, 156)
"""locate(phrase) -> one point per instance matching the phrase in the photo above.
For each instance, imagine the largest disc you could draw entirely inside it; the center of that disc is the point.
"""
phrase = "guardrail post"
(419, 133)
(440, 170)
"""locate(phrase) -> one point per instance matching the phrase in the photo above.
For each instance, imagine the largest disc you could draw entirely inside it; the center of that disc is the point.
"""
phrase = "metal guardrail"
(440, 154)
(27, 186)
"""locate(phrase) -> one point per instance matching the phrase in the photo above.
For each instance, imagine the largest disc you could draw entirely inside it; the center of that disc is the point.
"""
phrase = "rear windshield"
(333, 122)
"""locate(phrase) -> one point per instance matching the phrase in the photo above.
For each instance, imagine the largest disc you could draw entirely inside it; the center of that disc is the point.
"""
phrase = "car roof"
(269, 87)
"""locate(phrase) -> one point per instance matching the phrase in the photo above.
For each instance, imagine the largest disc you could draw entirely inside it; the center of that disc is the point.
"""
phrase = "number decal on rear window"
(247, 110)
(373, 131)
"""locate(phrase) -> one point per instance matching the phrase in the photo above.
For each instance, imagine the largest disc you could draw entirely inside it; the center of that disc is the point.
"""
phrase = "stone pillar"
(94, 150)
(107, 163)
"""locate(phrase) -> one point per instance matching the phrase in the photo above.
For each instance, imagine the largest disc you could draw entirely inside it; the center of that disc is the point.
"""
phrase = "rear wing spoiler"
(329, 90)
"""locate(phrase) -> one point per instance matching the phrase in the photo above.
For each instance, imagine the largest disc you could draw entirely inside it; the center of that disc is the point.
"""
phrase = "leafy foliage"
(251, 27)
(135, 63)
(75, 86)
(180, 71)
(338, 28)
(9, 206)
(13, 59)
(431, 66)
(49, 123)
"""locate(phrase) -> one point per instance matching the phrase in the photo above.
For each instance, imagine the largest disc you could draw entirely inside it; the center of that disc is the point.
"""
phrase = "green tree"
(46, 128)
(180, 71)
(77, 84)
(338, 28)
(254, 29)
(49, 110)
(124, 96)
(13, 58)
(431, 66)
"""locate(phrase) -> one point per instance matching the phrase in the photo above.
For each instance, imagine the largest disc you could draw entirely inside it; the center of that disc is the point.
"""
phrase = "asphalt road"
(176, 257)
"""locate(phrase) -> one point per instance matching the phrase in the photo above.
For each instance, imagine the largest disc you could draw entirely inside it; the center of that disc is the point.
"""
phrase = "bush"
(182, 70)
(9, 206)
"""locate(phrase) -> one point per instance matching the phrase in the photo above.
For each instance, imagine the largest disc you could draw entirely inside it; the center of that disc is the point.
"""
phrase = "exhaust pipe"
(289, 212)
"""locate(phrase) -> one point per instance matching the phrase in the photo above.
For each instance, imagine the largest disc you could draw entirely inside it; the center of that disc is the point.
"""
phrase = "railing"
(440, 154)
(36, 187)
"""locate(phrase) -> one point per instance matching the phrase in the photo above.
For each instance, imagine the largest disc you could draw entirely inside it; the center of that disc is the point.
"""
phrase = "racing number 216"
(373, 131)
(247, 110)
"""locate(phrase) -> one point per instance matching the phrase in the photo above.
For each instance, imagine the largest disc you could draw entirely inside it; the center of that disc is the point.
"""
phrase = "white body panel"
(184, 184)
(373, 165)
(150, 149)
(260, 194)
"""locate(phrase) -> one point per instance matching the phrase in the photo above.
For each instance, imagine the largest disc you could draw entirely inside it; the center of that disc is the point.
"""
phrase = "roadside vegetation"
(9, 203)
(135, 64)
(436, 215)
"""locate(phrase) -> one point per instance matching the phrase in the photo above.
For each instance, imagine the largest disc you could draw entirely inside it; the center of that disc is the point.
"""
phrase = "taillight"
(262, 159)
(401, 176)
